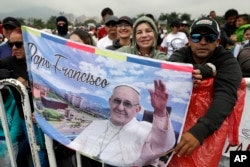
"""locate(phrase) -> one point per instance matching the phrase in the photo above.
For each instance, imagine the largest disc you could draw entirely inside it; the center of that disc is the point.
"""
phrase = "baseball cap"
(11, 21)
(111, 18)
(207, 23)
(126, 19)
(184, 22)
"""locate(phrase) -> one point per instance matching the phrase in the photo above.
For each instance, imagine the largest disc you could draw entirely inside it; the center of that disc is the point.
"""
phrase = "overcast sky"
(131, 7)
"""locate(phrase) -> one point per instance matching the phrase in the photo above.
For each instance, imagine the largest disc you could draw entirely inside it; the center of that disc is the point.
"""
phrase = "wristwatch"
(212, 67)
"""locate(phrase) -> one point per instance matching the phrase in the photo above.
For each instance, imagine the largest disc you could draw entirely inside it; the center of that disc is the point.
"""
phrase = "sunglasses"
(126, 104)
(18, 44)
(210, 38)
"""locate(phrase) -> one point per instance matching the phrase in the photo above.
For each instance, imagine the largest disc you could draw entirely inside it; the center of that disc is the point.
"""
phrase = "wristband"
(213, 68)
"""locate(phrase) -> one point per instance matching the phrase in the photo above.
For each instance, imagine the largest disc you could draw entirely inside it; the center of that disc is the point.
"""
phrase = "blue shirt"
(5, 50)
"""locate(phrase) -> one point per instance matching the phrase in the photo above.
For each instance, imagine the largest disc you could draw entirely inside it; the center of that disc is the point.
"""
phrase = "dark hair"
(230, 12)
(108, 11)
(212, 11)
(150, 16)
(175, 23)
(248, 28)
(84, 35)
(17, 30)
(245, 17)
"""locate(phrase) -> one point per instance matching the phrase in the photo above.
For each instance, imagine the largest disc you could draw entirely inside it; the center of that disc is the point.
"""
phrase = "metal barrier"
(30, 128)
(28, 120)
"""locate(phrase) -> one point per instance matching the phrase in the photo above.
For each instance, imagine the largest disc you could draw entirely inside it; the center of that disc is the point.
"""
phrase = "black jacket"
(116, 45)
(11, 67)
(225, 34)
(226, 84)
(244, 60)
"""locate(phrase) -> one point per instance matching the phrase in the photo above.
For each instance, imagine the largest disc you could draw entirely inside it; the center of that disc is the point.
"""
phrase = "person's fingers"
(179, 146)
(179, 149)
(162, 86)
(183, 151)
(156, 85)
(197, 76)
(196, 82)
(189, 151)
(187, 145)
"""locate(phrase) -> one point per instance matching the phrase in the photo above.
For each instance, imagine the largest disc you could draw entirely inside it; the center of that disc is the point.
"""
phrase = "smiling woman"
(144, 40)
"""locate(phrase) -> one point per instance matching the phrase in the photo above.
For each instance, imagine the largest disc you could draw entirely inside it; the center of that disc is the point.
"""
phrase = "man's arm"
(200, 71)
(226, 84)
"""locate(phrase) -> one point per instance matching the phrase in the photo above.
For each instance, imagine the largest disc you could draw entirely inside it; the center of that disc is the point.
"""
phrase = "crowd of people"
(216, 51)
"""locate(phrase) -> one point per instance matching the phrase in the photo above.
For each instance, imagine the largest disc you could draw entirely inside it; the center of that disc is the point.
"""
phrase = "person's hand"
(159, 98)
(187, 145)
(33, 118)
(203, 71)
(197, 77)
(22, 80)
(233, 37)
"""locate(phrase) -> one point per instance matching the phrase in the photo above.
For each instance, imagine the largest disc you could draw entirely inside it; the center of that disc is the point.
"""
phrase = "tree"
(38, 23)
(51, 23)
(21, 20)
(89, 21)
(163, 17)
(186, 17)
(173, 16)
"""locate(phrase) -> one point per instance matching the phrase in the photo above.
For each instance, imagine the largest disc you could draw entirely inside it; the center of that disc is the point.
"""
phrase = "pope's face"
(124, 105)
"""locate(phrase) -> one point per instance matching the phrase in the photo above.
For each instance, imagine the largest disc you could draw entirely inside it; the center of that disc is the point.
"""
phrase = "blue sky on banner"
(178, 83)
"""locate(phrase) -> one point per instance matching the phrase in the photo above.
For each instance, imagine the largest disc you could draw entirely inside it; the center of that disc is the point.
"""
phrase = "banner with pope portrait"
(72, 85)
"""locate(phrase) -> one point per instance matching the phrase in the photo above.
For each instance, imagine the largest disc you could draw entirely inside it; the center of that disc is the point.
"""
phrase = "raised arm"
(162, 136)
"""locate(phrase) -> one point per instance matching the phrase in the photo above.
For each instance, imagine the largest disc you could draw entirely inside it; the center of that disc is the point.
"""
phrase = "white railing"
(28, 120)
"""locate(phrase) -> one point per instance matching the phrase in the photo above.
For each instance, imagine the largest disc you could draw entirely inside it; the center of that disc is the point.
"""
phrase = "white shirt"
(135, 143)
(104, 42)
(174, 42)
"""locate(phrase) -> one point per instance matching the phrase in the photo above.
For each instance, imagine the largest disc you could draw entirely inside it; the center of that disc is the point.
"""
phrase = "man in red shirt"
(105, 12)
